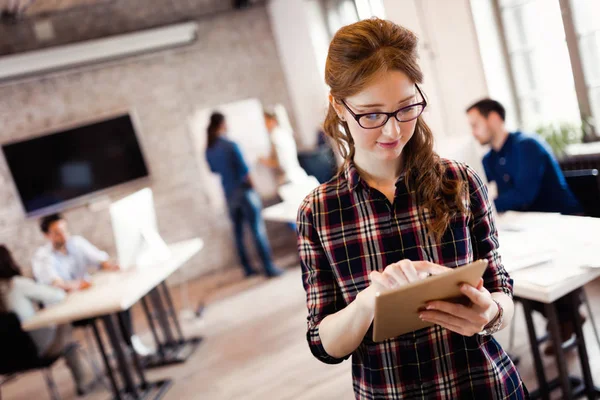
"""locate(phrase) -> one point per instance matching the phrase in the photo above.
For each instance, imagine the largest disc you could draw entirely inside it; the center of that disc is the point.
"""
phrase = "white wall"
(448, 48)
(450, 58)
(492, 56)
(405, 13)
(301, 37)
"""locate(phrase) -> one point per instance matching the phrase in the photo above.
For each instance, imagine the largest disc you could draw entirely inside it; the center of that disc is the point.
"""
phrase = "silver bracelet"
(494, 325)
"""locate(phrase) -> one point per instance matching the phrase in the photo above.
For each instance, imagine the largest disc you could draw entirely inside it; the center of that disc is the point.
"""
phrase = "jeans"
(245, 207)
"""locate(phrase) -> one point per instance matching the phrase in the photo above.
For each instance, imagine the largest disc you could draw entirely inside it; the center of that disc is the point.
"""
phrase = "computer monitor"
(136, 232)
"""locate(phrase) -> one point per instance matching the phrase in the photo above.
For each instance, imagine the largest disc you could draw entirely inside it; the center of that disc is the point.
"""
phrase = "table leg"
(109, 370)
(535, 351)
(171, 310)
(136, 358)
(163, 318)
(554, 325)
(174, 351)
(590, 315)
(117, 344)
(583, 355)
(159, 345)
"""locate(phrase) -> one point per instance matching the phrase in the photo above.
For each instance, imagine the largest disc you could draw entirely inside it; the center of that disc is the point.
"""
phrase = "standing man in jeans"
(225, 159)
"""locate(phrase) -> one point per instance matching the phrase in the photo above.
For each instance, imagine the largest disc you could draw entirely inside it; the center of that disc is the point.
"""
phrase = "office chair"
(19, 353)
(585, 185)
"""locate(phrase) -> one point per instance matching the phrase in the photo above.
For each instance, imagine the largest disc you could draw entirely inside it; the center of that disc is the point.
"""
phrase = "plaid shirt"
(346, 230)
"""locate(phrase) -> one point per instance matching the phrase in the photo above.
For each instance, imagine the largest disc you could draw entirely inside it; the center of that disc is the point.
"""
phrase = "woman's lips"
(389, 145)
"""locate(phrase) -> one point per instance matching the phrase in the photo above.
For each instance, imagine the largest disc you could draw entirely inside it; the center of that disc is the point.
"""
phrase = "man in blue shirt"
(528, 178)
(526, 173)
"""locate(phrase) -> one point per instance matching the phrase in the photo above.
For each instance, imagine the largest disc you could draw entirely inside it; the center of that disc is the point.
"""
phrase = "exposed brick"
(235, 58)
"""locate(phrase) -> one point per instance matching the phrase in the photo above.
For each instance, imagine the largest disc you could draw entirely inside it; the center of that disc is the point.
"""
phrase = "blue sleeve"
(527, 179)
(486, 167)
(239, 162)
(210, 164)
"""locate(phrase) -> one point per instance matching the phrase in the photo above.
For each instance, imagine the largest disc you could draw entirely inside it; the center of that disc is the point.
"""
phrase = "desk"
(571, 242)
(281, 212)
(113, 292)
(575, 244)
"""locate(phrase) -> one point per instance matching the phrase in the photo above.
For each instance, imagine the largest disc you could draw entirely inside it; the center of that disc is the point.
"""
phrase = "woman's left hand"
(464, 320)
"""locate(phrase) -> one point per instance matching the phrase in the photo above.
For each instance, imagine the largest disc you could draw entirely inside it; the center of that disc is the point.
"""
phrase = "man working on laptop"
(65, 260)
(527, 177)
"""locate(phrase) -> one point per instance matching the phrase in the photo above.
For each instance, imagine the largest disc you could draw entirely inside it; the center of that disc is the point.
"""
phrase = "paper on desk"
(525, 249)
(548, 275)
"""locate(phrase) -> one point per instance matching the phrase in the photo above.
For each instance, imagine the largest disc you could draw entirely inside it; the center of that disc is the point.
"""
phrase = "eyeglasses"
(379, 119)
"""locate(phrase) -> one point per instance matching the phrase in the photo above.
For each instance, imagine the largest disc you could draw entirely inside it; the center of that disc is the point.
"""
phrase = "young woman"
(18, 294)
(396, 213)
(225, 158)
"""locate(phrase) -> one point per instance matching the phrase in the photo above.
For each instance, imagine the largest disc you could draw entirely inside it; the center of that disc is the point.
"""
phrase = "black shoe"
(275, 272)
(249, 274)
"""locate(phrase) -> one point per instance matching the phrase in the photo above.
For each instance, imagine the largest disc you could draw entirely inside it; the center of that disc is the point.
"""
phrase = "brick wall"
(235, 58)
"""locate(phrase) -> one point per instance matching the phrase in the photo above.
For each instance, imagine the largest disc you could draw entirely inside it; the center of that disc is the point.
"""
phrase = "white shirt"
(287, 155)
(19, 296)
(50, 265)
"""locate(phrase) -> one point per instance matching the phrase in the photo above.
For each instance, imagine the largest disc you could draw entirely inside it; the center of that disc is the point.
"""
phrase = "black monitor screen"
(62, 166)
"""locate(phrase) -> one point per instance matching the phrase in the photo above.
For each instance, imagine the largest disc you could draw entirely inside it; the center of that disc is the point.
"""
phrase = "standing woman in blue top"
(225, 159)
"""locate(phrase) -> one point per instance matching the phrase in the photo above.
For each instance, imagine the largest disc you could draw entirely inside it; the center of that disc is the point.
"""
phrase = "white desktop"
(136, 232)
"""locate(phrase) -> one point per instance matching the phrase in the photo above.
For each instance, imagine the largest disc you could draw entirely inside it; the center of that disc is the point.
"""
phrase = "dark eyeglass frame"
(394, 114)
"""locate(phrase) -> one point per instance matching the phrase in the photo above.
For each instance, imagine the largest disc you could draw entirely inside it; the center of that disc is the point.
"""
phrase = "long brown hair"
(8, 270)
(357, 54)
(216, 120)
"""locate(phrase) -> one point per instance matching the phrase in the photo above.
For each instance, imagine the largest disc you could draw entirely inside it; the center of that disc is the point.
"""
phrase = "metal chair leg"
(588, 307)
(52, 388)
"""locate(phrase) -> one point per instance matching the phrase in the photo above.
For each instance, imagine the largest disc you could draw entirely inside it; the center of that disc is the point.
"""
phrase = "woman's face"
(391, 91)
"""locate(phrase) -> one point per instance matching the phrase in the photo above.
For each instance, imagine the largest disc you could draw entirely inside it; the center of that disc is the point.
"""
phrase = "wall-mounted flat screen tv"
(60, 169)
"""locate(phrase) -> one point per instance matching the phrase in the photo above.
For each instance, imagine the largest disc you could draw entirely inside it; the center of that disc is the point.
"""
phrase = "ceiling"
(46, 6)
(43, 7)
(35, 7)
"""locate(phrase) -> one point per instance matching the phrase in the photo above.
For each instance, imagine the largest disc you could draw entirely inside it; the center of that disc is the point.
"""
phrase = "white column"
(450, 58)
(301, 36)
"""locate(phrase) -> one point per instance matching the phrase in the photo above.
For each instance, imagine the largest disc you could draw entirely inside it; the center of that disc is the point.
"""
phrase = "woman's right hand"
(397, 275)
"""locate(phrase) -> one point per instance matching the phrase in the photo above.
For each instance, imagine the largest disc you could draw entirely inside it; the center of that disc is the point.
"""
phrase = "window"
(370, 8)
(545, 42)
(539, 58)
(344, 12)
(586, 15)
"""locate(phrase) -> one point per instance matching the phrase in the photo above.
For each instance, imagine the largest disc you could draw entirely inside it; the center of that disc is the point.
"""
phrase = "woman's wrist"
(365, 303)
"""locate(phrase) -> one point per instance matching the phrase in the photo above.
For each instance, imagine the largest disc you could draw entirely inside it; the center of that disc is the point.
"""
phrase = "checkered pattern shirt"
(346, 230)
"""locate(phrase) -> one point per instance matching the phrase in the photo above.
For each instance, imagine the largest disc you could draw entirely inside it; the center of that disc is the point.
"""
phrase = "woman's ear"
(339, 109)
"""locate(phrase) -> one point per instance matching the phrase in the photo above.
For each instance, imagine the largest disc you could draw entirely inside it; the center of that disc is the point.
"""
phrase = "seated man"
(64, 262)
(527, 175)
